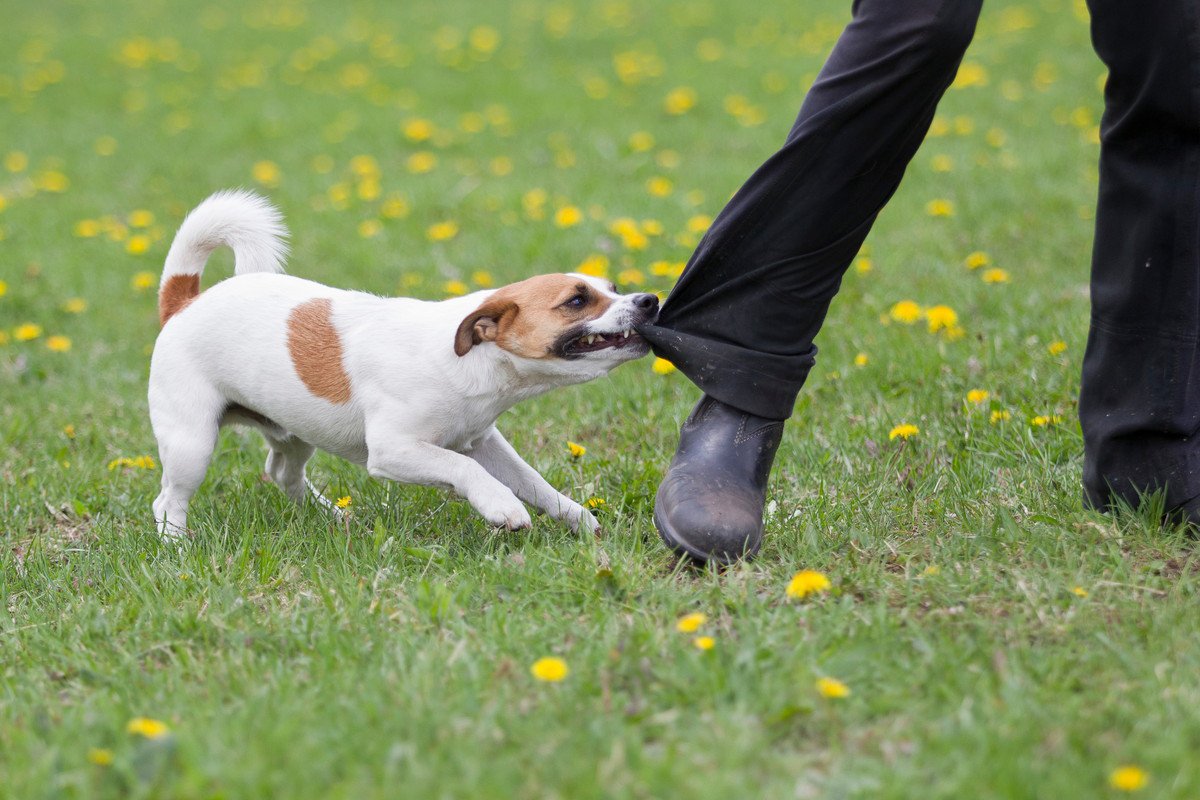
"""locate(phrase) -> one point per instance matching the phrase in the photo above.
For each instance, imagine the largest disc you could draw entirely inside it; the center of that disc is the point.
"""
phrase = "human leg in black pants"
(1139, 403)
(741, 320)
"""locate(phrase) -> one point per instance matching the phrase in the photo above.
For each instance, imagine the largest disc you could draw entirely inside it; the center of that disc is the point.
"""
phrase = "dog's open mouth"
(592, 342)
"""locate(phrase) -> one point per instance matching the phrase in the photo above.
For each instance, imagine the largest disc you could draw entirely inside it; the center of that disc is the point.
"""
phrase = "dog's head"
(570, 325)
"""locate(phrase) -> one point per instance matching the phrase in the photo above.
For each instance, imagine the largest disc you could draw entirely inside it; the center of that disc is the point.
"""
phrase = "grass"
(998, 641)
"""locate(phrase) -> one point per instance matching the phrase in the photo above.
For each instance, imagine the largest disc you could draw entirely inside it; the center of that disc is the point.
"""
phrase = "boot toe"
(708, 523)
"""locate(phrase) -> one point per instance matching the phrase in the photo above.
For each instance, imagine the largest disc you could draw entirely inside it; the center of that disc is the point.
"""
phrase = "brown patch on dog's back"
(316, 350)
(175, 294)
(527, 317)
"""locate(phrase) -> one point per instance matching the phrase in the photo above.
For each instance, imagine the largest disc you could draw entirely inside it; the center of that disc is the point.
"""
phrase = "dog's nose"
(646, 301)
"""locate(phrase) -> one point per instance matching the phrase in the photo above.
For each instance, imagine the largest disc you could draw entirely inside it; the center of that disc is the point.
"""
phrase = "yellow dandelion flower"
(1128, 778)
(418, 130)
(144, 280)
(456, 288)
(149, 728)
(905, 431)
(266, 173)
(1056, 348)
(704, 642)
(100, 756)
(576, 450)
(344, 502)
(16, 161)
(995, 275)
(690, 623)
(69, 430)
(442, 231)
(699, 223)
(140, 462)
(51, 181)
(27, 332)
(641, 141)
(905, 311)
(483, 39)
(861, 360)
(970, 73)
(105, 146)
(76, 305)
(394, 207)
(680, 100)
(594, 265)
(500, 166)
(832, 688)
(932, 569)
(3, 288)
(1042, 420)
(977, 259)
(137, 244)
(977, 396)
(568, 216)
(369, 228)
(631, 277)
(550, 669)
(141, 218)
(941, 163)
(939, 208)
(1079, 591)
(59, 344)
(482, 278)
(662, 367)
(807, 582)
(659, 186)
(421, 162)
(595, 502)
(652, 227)
(941, 318)
(1003, 415)
(863, 265)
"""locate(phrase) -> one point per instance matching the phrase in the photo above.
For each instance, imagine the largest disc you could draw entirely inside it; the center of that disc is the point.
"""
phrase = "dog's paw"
(504, 512)
(583, 522)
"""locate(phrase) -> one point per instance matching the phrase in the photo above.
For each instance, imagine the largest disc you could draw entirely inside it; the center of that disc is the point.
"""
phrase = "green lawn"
(997, 640)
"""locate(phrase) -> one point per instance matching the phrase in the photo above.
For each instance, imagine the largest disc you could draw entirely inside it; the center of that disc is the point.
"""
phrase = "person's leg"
(1139, 402)
(741, 320)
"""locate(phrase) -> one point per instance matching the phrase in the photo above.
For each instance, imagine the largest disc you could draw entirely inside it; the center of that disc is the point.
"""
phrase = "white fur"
(237, 219)
(418, 413)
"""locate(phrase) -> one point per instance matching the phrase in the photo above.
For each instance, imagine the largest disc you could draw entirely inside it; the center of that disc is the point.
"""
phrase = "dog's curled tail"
(240, 220)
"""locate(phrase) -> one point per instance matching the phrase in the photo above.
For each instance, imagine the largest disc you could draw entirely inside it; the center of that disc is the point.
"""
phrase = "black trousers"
(741, 320)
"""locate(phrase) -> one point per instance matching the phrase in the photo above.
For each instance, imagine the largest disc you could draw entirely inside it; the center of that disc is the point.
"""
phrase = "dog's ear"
(483, 324)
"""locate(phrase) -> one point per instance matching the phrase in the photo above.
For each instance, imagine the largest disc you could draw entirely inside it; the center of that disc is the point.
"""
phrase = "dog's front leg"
(500, 459)
(411, 461)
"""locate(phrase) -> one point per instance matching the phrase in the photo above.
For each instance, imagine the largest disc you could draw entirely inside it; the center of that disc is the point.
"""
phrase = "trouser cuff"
(762, 384)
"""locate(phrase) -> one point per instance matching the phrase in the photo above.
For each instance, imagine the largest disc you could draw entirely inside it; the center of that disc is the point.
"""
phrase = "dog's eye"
(578, 301)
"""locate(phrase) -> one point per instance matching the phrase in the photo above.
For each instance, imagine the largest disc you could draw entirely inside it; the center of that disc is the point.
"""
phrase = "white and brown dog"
(408, 388)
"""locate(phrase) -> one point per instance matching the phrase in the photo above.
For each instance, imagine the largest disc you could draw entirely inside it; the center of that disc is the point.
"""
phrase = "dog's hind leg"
(186, 440)
(285, 465)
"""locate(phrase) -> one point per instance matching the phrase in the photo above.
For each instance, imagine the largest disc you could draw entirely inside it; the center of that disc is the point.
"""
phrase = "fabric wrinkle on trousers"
(740, 322)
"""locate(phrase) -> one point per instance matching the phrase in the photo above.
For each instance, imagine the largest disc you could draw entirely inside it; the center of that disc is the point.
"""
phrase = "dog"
(410, 389)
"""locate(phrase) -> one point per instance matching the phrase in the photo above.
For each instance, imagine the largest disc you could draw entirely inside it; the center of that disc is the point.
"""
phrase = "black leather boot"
(710, 504)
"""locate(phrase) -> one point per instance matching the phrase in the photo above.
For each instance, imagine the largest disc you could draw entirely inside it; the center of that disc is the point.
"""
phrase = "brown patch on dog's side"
(526, 318)
(316, 350)
(175, 294)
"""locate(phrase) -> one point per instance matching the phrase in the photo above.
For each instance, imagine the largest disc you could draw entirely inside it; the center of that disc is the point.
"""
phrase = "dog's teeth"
(591, 338)
(627, 334)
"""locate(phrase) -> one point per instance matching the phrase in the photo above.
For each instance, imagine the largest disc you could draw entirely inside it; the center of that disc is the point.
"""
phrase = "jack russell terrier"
(410, 389)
